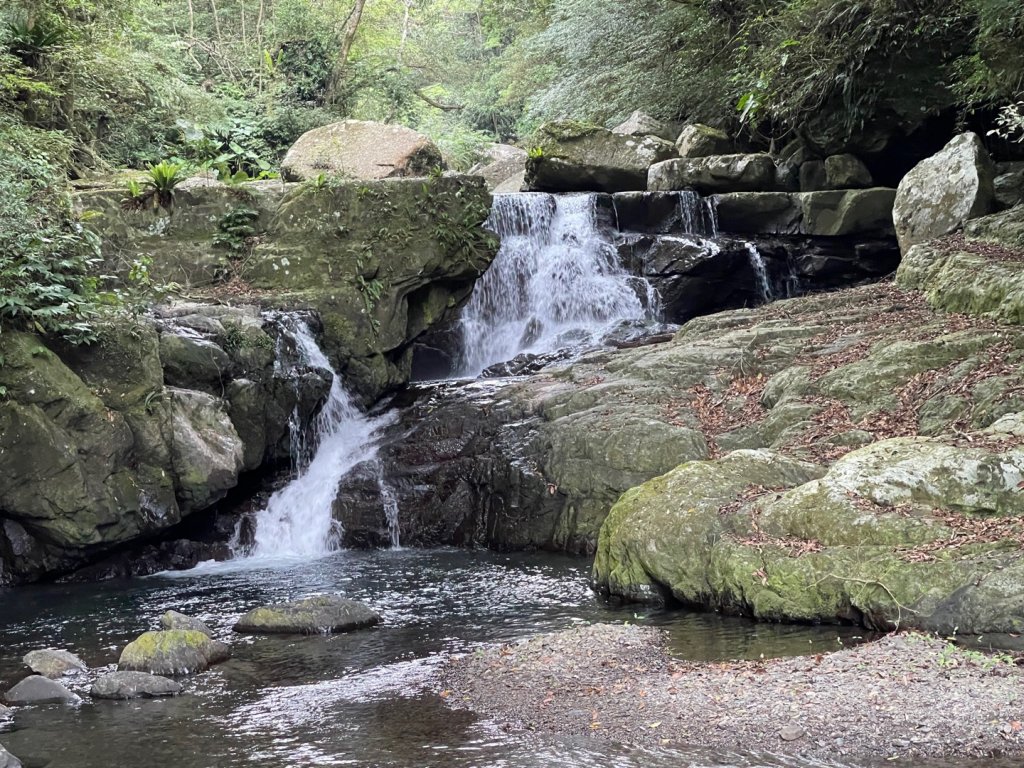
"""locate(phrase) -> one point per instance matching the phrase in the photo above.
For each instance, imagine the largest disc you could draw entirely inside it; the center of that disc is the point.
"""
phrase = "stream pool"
(361, 699)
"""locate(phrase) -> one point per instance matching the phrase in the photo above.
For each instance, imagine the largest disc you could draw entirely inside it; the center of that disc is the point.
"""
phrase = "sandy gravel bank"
(904, 696)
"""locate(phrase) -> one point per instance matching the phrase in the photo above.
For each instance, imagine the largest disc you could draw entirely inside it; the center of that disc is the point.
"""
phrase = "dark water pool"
(349, 700)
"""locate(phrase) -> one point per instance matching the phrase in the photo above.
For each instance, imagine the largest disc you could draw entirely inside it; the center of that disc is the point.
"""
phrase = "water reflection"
(352, 700)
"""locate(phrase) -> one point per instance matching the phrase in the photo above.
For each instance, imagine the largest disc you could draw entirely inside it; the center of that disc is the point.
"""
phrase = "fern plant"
(157, 191)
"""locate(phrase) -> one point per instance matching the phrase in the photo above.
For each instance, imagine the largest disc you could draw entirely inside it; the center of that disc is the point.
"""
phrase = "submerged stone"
(53, 663)
(314, 615)
(133, 685)
(36, 689)
(172, 652)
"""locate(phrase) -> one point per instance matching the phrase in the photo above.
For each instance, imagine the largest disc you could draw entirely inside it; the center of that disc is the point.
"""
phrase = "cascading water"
(555, 283)
(298, 520)
(764, 285)
(697, 215)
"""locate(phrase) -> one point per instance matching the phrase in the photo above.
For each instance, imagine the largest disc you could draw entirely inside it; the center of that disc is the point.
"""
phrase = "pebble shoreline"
(901, 697)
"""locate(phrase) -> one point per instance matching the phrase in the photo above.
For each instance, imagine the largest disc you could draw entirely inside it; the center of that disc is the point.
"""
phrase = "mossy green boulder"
(571, 156)
(322, 614)
(172, 652)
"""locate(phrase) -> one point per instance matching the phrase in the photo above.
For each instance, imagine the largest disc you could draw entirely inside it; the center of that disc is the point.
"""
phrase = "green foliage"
(237, 230)
(158, 189)
(47, 257)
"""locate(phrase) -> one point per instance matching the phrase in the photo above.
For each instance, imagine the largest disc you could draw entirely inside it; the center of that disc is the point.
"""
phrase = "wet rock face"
(382, 261)
(99, 448)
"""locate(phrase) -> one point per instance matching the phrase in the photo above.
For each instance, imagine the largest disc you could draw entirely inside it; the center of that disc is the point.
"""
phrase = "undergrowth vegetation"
(87, 86)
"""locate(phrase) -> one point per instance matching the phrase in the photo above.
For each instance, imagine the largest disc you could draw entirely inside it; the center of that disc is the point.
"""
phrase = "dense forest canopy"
(91, 85)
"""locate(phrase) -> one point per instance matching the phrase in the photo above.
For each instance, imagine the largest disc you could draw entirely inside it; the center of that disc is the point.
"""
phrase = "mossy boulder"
(697, 140)
(571, 156)
(381, 263)
(905, 532)
(315, 615)
(172, 652)
(978, 275)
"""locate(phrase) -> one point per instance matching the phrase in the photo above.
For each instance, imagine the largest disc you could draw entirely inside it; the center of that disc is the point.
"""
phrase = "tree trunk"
(349, 37)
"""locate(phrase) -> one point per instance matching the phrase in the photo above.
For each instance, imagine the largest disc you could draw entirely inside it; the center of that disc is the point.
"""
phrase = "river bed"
(364, 699)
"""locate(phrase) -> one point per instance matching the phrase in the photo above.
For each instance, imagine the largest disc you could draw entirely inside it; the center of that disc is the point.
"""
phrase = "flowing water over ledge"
(361, 699)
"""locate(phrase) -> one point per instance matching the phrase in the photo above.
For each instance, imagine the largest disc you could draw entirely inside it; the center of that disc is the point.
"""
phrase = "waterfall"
(298, 520)
(555, 283)
(764, 285)
(698, 215)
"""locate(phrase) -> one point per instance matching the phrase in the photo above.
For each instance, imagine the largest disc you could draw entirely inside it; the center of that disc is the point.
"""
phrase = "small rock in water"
(791, 732)
(7, 760)
(36, 689)
(6, 713)
(53, 663)
(172, 652)
(314, 615)
(133, 685)
(175, 620)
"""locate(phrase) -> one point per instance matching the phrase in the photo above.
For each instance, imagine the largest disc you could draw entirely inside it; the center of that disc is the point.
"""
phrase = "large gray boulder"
(36, 689)
(942, 192)
(641, 124)
(714, 174)
(580, 157)
(133, 685)
(696, 140)
(502, 167)
(314, 615)
(172, 652)
(357, 149)
(175, 620)
(53, 663)
(7, 760)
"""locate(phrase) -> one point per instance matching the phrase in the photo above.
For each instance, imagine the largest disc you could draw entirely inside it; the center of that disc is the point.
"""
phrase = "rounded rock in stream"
(312, 616)
(36, 689)
(53, 663)
(6, 713)
(7, 760)
(172, 652)
(175, 620)
(133, 685)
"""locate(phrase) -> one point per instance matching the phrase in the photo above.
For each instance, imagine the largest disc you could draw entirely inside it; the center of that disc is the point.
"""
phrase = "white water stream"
(556, 283)
(298, 520)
